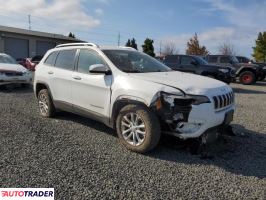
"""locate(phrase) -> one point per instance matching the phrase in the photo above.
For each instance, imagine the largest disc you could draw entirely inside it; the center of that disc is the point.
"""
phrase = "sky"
(236, 22)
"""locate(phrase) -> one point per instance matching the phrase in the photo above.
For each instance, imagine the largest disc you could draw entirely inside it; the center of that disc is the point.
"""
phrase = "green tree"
(132, 43)
(259, 51)
(128, 44)
(148, 47)
(194, 48)
(71, 35)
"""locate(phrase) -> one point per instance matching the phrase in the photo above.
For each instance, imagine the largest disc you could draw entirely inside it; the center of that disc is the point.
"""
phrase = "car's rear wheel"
(247, 78)
(138, 128)
(45, 103)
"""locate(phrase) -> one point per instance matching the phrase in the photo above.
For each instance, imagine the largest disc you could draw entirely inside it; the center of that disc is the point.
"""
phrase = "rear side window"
(66, 59)
(225, 59)
(171, 59)
(213, 59)
(86, 59)
(50, 60)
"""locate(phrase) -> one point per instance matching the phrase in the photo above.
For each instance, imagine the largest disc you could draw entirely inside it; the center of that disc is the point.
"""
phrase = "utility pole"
(160, 48)
(29, 20)
(119, 36)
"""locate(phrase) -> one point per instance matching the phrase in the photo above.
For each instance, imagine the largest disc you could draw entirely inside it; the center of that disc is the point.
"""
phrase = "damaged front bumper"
(190, 116)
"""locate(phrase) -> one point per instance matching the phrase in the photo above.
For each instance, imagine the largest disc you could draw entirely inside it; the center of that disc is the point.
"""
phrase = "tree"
(128, 44)
(227, 49)
(194, 48)
(148, 47)
(259, 51)
(169, 49)
(132, 43)
(71, 35)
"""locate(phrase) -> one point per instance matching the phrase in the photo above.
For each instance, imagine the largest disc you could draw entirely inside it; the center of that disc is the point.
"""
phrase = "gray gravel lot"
(82, 159)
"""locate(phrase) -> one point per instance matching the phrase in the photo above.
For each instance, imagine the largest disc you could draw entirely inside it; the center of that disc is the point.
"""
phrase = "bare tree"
(227, 48)
(169, 48)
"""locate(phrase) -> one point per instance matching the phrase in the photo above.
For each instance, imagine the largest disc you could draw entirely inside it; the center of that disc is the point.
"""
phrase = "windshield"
(201, 61)
(135, 62)
(234, 59)
(7, 59)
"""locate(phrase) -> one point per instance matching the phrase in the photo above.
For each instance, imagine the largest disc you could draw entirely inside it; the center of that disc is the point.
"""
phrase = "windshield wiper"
(132, 71)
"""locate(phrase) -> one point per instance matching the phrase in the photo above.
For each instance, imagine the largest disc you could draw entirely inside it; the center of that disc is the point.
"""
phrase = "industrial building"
(22, 43)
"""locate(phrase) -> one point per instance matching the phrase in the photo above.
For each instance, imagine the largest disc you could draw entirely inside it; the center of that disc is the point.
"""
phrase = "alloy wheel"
(133, 129)
(43, 104)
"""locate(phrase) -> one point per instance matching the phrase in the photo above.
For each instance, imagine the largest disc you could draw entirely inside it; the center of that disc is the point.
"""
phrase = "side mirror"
(99, 69)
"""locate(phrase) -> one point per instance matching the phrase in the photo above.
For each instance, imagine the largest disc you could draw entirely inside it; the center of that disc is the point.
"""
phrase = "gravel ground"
(82, 159)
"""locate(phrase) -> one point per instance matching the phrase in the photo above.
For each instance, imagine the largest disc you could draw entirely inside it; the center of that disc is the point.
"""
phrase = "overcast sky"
(100, 21)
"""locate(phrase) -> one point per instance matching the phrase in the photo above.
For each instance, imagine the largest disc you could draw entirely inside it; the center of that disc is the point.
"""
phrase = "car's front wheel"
(45, 103)
(247, 78)
(138, 128)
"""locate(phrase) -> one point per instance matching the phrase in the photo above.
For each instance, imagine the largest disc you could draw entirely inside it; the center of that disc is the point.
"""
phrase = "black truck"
(247, 73)
(243, 59)
(197, 65)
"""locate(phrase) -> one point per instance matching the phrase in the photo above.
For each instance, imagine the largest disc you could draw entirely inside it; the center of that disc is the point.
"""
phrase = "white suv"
(132, 93)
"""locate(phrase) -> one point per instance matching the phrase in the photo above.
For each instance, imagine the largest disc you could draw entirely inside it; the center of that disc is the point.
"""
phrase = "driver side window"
(86, 59)
(186, 60)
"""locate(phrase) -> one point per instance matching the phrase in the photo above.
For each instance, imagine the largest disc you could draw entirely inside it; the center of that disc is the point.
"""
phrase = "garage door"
(43, 46)
(17, 48)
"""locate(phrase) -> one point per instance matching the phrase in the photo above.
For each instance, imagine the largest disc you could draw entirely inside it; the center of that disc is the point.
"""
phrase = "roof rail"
(127, 48)
(77, 44)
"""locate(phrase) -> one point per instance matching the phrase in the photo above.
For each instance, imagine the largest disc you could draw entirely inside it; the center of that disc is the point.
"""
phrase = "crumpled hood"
(189, 83)
(12, 67)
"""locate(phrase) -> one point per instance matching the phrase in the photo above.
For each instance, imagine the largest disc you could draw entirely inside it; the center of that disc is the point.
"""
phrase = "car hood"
(189, 83)
(12, 67)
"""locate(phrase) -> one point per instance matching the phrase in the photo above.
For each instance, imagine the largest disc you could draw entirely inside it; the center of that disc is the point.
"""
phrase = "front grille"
(13, 73)
(224, 100)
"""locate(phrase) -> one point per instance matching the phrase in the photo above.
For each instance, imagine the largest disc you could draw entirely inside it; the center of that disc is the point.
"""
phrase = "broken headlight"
(199, 99)
(194, 99)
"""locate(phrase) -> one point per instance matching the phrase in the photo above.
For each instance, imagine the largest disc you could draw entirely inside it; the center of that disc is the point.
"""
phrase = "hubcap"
(133, 129)
(246, 78)
(43, 104)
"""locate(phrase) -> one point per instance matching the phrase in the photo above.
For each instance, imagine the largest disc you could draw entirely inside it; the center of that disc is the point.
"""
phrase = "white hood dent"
(188, 83)
(12, 67)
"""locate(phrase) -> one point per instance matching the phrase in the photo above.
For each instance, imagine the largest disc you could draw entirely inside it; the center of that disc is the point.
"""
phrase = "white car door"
(61, 76)
(91, 92)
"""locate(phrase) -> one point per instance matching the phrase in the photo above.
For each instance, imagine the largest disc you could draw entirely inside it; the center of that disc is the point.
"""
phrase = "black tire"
(25, 85)
(261, 78)
(211, 76)
(247, 78)
(50, 111)
(152, 128)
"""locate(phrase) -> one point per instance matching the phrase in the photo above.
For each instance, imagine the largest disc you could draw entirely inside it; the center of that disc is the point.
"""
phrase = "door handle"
(76, 77)
(50, 72)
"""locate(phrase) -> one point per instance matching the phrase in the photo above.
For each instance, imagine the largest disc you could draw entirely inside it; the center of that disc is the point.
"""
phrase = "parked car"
(247, 73)
(131, 92)
(30, 63)
(13, 73)
(243, 59)
(197, 65)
